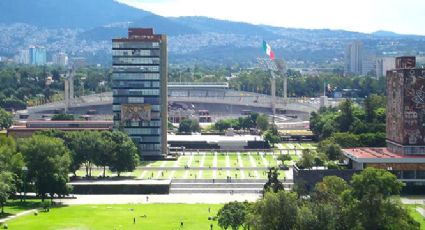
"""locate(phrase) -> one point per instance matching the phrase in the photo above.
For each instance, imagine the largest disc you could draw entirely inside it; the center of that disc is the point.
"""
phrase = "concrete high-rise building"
(368, 65)
(23, 57)
(38, 55)
(139, 85)
(406, 108)
(383, 65)
(60, 59)
(353, 58)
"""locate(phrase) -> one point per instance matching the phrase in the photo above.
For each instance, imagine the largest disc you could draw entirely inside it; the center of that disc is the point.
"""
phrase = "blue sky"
(401, 16)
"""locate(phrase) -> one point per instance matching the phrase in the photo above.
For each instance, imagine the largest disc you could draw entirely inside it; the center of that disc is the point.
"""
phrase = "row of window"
(143, 131)
(139, 124)
(154, 116)
(135, 76)
(147, 139)
(134, 45)
(120, 69)
(410, 174)
(136, 52)
(136, 92)
(196, 93)
(136, 60)
(117, 108)
(136, 100)
(136, 84)
(150, 147)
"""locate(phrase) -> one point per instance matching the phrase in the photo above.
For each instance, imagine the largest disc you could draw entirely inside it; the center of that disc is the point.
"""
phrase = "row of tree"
(104, 149)
(369, 201)
(350, 125)
(46, 159)
(254, 120)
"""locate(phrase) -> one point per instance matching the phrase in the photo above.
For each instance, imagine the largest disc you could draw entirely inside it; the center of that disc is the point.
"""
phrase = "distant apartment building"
(383, 65)
(368, 65)
(353, 58)
(38, 55)
(78, 62)
(23, 57)
(139, 86)
(60, 59)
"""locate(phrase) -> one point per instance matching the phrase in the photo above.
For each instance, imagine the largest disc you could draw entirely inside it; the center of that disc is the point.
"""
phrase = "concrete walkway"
(4, 220)
(204, 198)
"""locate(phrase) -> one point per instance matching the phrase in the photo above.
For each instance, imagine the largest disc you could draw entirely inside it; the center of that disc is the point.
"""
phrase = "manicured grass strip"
(221, 160)
(196, 162)
(221, 174)
(209, 159)
(416, 215)
(233, 160)
(15, 206)
(96, 217)
(183, 160)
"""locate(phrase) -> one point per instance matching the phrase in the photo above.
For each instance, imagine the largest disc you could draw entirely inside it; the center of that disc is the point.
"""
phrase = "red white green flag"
(268, 50)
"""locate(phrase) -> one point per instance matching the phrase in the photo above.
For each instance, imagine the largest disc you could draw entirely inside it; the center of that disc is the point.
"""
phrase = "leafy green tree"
(273, 184)
(223, 124)
(307, 159)
(48, 163)
(262, 122)
(189, 126)
(5, 119)
(125, 155)
(373, 188)
(276, 211)
(346, 117)
(84, 147)
(6, 188)
(11, 161)
(346, 140)
(306, 219)
(271, 137)
(105, 155)
(232, 215)
(330, 148)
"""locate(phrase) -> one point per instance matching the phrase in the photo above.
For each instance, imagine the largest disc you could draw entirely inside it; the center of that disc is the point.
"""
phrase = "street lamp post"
(24, 170)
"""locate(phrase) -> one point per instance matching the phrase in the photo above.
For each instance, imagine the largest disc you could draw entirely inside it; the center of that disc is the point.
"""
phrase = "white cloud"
(356, 15)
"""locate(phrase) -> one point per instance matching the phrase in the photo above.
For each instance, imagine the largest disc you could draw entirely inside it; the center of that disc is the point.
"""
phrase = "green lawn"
(209, 159)
(148, 216)
(417, 216)
(271, 160)
(245, 160)
(183, 160)
(197, 160)
(234, 160)
(207, 174)
(221, 160)
(15, 206)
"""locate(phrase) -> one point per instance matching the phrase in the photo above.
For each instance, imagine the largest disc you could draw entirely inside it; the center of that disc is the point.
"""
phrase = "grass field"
(418, 217)
(148, 216)
(15, 206)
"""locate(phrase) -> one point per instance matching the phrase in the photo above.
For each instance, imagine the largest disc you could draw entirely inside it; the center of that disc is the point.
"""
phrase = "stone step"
(217, 185)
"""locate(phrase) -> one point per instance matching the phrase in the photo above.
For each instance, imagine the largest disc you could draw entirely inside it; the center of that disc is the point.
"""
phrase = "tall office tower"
(353, 58)
(139, 83)
(406, 108)
(38, 55)
(60, 59)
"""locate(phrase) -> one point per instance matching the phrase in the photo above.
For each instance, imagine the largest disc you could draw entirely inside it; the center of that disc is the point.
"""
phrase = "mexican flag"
(268, 50)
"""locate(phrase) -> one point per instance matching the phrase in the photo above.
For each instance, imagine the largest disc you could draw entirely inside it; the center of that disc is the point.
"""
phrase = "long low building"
(30, 127)
(219, 142)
